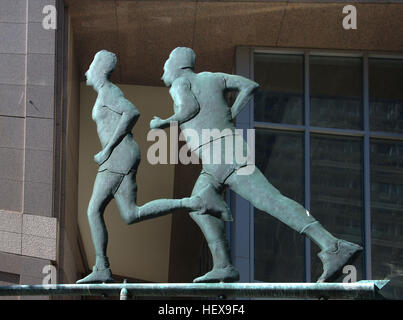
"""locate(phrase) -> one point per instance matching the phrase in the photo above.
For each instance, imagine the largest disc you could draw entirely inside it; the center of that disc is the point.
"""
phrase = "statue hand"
(156, 123)
(101, 156)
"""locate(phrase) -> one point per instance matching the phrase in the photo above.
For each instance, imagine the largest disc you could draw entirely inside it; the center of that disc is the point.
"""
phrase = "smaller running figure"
(118, 161)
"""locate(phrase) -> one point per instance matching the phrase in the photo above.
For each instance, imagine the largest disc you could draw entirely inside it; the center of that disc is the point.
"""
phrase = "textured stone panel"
(12, 38)
(40, 101)
(10, 221)
(39, 226)
(10, 242)
(13, 10)
(12, 68)
(38, 166)
(41, 40)
(10, 195)
(11, 132)
(12, 100)
(39, 134)
(38, 247)
(11, 163)
(41, 69)
(35, 9)
(38, 198)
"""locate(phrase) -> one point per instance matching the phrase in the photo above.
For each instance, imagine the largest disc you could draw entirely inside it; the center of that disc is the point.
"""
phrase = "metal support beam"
(358, 290)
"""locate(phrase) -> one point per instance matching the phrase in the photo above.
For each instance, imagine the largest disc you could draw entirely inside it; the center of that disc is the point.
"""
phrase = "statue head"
(180, 60)
(101, 68)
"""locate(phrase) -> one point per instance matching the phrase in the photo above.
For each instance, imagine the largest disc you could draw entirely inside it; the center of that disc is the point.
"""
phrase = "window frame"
(241, 233)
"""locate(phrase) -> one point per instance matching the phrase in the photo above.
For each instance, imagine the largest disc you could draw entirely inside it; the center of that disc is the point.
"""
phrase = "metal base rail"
(368, 289)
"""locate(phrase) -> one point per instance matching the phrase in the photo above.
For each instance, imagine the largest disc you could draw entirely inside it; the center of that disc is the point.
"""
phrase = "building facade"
(328, 121)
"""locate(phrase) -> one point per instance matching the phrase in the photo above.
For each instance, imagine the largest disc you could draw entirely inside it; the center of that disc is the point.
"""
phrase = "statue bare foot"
(97, 276)
(334, 260)
(213, 202)
(227, 274)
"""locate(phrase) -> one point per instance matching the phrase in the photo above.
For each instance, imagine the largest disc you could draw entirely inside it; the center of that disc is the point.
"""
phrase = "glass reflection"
(386, 95)
(280, 98)
(386, 208)
(278, 250)
(336, 191)
(336, 92)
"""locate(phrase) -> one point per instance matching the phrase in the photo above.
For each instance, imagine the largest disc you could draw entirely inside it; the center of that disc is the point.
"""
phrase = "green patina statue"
(118, 161)
(199, 104)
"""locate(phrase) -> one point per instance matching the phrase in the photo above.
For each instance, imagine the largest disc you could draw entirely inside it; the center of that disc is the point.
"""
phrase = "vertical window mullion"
(367, 183)
(307, 169)
(251, 208)
(242, 226)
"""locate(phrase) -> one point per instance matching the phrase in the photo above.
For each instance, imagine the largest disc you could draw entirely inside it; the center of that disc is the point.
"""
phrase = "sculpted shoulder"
(215, 77)
(179, 87)
(179, 83)
(111, 94)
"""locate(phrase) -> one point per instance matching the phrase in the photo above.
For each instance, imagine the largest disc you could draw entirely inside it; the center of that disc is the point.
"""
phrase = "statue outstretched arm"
(129, 116)
(185, 105)
(246, 90)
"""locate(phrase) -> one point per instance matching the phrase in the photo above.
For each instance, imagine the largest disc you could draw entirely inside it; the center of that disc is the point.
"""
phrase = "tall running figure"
(199, 104)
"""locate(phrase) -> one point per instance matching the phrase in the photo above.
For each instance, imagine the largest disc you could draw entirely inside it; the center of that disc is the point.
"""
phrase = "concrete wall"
(71, 261)
(142, 250)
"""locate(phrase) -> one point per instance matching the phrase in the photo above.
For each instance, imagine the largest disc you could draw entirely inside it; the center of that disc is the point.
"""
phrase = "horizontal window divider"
(279, 51)
(329, 53)
(279, 126)
(337, 132)
(328, 131)
(300, 128)
(386, 135)
(380, 55)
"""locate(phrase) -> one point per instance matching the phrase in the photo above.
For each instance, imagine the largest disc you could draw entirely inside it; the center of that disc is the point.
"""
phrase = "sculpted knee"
(127, 219)
(130, 217)
(93, 213)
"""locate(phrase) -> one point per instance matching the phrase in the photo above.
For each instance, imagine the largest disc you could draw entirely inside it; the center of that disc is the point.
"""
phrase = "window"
(329, 135)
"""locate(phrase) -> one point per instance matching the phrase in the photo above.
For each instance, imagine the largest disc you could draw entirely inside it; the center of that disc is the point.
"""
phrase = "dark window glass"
(336, 92)
(386, 95)
(279, 251)
(386, 208)
(336, 179)
(336, 191)
(280, 98)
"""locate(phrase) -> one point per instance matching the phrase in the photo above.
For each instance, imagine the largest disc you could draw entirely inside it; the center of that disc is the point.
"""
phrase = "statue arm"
(129, 116)
(245, 88)
(185, 105)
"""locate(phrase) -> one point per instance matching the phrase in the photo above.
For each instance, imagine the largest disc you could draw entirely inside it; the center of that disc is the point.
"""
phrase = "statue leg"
(213, 229)
(126, 197)
(261, 194)
(104, 185)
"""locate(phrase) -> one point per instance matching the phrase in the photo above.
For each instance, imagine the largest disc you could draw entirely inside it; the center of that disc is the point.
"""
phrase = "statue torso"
(126, 155)
(208, 89)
